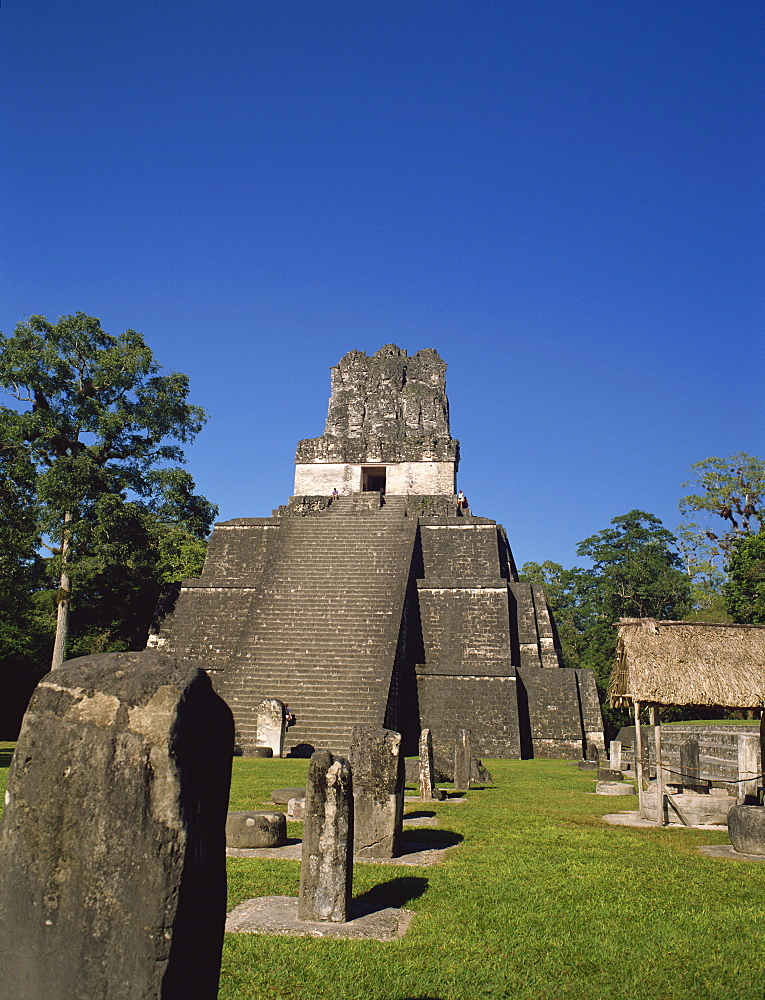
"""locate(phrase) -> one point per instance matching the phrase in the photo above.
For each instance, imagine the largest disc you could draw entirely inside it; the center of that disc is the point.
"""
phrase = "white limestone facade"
(398, 479)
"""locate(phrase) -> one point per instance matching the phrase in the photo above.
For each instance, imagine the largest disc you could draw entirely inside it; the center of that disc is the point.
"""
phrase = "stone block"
(326, 870)
(699, 809)
(614, 788)
(281, 796)
(609, 774)
(256, 829)
(746, 829)
(378, 792)
(113, 881)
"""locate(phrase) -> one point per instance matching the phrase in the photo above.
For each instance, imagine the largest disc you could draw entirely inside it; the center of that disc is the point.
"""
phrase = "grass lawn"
(540, 900)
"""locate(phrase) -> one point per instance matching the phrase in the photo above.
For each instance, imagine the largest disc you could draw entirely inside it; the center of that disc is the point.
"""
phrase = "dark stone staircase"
(326, 623)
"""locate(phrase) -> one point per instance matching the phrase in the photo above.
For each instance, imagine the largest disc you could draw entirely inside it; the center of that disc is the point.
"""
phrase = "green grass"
(540, 900)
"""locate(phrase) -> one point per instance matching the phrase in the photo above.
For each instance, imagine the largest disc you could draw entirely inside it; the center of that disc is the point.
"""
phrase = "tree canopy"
(635, 572)
(744, 589)
(92, 448)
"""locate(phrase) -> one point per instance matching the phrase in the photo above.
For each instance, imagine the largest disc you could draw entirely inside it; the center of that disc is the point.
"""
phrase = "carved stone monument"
(378, 792)
(690, 767)
(748, 769)
(427, 767)
(463, 760)
(113, 881)
(326, 871)
(271, 725)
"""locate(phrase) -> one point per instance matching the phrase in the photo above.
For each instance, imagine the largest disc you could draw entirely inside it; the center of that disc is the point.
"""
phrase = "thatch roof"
(688, 663)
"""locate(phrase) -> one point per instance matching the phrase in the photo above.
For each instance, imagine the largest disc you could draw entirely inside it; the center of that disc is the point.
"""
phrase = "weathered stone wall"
(718, 747)
(238, 549)
(460, 551)
(465, 624)
(555, 718)
(450, 699)
(592, 717)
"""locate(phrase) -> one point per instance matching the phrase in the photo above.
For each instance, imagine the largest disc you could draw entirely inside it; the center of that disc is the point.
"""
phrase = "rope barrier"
(699, 777)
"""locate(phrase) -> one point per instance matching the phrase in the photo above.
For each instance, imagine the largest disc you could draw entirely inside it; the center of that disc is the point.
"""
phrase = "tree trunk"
(63, 598)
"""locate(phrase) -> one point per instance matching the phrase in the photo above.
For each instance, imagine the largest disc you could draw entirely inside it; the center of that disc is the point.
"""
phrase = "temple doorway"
(373, 478)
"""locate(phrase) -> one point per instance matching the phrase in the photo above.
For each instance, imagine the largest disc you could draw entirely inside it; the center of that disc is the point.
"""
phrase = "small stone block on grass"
(281, 796)
(256, 829)
(609, 774)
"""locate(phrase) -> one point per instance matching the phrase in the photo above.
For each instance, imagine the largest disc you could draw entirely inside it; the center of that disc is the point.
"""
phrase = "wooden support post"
(639, 757)
(656, 723)
(683, 818)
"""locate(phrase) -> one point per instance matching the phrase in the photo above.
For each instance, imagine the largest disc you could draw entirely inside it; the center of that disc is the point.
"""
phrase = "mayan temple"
(372, 598)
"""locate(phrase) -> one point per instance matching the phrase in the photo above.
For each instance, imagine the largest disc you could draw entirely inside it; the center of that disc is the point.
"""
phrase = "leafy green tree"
(94, 439)
(744, 590)
(635, 573)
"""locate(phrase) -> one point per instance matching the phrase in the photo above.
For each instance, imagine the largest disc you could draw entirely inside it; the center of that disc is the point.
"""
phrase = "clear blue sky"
(564, 198)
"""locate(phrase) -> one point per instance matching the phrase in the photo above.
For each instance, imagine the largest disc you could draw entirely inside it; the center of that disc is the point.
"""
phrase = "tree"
(731, 489)
(635, 573)
(744, 590)
(94, 449)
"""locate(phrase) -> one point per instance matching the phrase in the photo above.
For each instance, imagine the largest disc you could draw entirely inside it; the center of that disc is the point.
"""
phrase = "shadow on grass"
(431, 840)
(396, 892)
(5, 757)
(419, 814)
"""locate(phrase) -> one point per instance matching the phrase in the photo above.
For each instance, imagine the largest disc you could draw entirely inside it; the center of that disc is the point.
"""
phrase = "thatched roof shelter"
(688, 663)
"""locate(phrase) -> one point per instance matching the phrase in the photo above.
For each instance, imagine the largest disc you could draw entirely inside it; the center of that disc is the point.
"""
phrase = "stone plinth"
(256, 829)
(113, 881)
(699, 809)
(614, 788)
(746, 829)
(326, 871)
(378, 792)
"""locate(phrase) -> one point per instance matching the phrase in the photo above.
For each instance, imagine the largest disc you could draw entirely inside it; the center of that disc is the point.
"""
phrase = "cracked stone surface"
(278, 915)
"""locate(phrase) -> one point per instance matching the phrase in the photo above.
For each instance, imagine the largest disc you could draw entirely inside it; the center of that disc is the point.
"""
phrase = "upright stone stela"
(378, 792)
(384, 605)
(326, 869)
(113, 881)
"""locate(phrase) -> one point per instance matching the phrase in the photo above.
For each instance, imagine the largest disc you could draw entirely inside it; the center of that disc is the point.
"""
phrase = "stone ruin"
(377, 767)
(385, 605)
(113, 881)
(326, 869)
